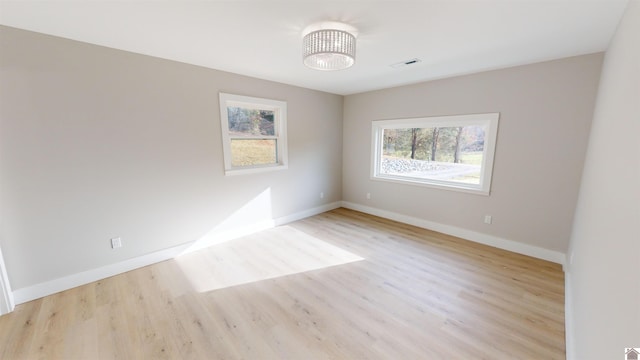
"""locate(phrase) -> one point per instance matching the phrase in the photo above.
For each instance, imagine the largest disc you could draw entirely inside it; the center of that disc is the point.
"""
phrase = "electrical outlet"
(116, 243)
(487, 219)
(369, 196)
(322, 195)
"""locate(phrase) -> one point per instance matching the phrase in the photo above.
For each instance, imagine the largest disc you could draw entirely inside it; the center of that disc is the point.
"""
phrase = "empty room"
(440, 179)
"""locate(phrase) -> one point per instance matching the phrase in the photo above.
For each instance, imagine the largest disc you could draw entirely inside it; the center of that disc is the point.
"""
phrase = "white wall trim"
(307, 213)
(219, 237)
(214, 237)
(568, 317)
(501, 243)
(7, 303)
(67, 282)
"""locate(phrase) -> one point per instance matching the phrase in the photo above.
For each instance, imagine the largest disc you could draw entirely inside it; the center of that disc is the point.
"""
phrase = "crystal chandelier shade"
(329, 49)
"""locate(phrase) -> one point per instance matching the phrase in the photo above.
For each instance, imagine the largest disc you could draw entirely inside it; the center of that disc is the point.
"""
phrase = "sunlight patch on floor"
(265, 255)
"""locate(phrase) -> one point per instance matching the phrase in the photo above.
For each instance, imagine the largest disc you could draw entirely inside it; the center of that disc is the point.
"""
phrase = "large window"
(253, 133)
(453, 152)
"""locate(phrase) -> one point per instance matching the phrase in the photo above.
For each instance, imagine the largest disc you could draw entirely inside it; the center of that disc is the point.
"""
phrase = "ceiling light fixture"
(329, 46)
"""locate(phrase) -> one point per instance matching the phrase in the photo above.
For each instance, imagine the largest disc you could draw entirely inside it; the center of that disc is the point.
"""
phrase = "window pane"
(436, 153)
(247, 152)
(250, 122)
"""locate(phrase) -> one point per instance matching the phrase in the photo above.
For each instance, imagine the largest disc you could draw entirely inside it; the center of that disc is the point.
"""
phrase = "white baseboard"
(568, 317)
(67, 282)
(219, 237)
(505, 244)
(7, 303)
(307, 213)
(222, 236)
(37, 291)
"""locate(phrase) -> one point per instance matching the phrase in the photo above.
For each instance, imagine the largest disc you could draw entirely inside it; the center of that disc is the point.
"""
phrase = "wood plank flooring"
(339, 285)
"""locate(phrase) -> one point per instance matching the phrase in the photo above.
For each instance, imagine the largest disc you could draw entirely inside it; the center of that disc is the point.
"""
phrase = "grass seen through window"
(254, 134)
(253, 152)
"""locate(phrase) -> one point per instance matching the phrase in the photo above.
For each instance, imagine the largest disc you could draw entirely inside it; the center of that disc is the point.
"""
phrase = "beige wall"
(545, 114)
(603, 277)
(97, 143)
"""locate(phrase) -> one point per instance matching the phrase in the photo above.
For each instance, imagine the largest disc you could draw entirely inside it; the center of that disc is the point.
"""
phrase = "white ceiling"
(262, 38)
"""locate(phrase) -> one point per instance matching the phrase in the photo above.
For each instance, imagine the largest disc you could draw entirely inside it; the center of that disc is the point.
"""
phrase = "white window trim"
(280, 126)
(489, 119)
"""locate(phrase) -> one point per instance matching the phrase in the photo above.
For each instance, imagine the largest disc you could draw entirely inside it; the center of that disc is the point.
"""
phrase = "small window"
(452, 152)
(253, 134)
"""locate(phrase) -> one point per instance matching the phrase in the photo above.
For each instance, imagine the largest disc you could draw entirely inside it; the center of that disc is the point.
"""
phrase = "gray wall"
(545, 115)
(603, 277)
(97, 143)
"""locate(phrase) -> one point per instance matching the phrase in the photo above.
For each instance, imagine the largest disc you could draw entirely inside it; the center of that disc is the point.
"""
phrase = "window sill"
(470, 189)
(253, 170)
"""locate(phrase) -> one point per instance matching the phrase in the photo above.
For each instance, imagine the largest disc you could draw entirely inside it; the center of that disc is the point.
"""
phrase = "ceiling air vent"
(405, 63)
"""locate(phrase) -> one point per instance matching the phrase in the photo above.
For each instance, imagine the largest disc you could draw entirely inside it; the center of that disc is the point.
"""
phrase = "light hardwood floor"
(339, 285)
